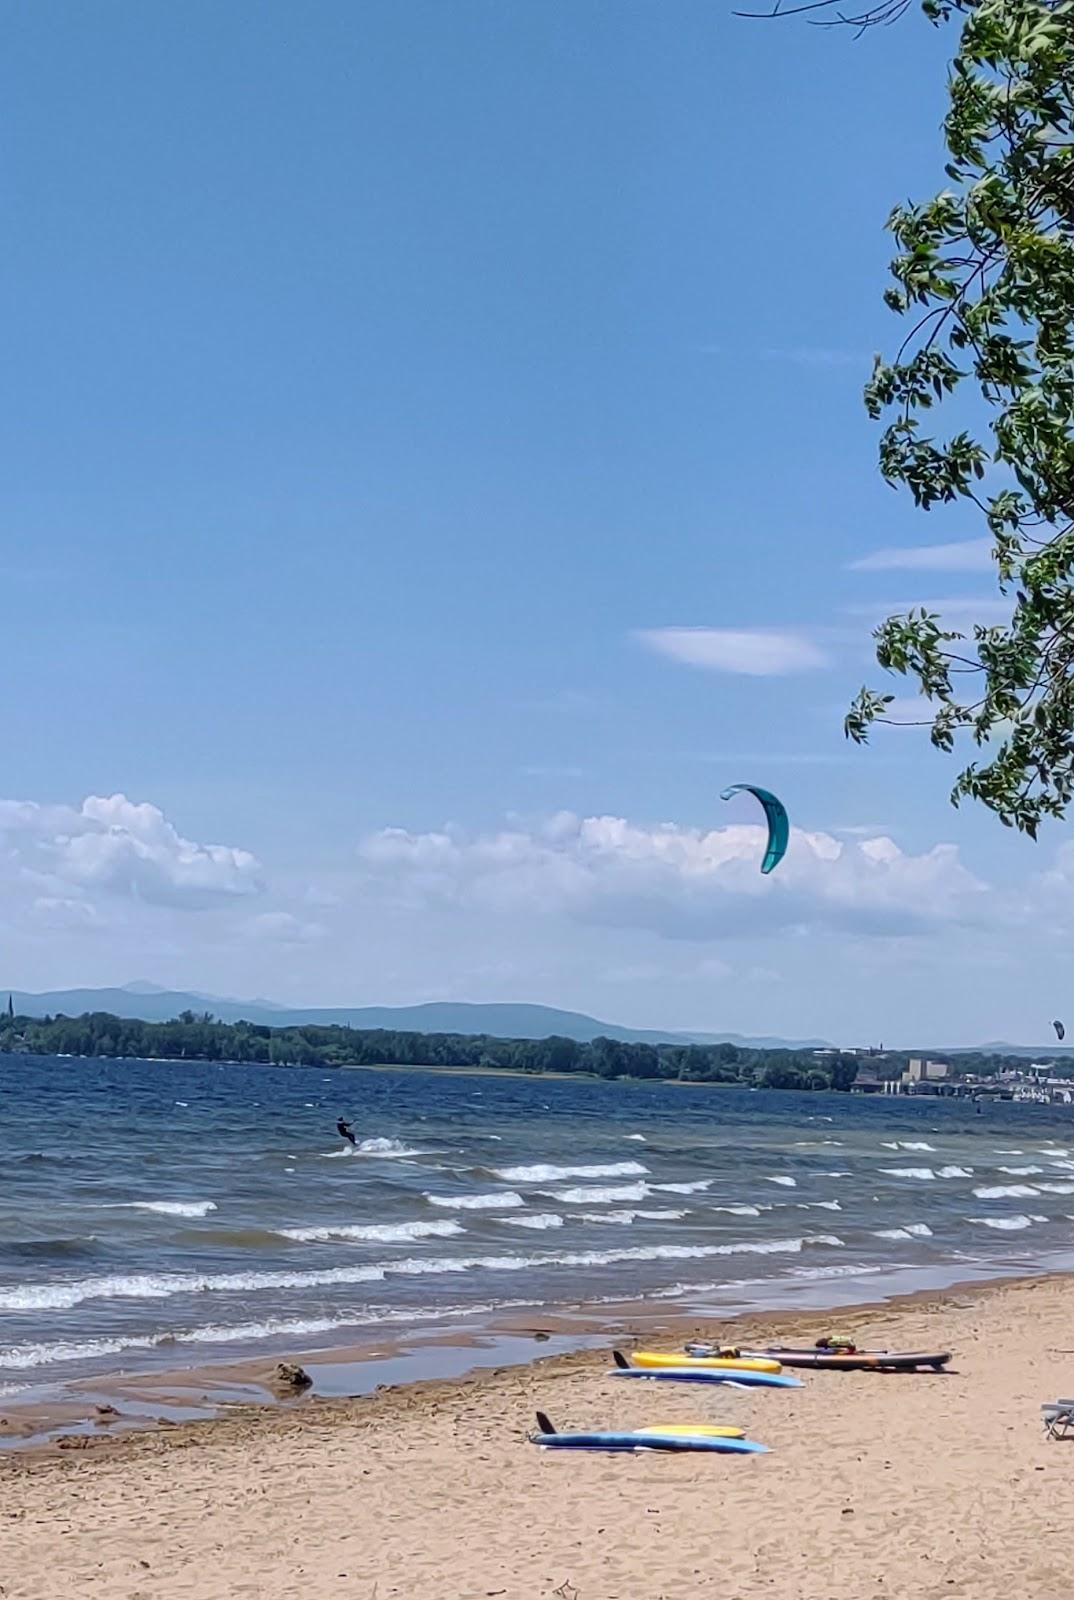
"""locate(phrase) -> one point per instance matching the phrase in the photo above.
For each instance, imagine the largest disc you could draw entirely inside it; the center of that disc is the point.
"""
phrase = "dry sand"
(877, 1486)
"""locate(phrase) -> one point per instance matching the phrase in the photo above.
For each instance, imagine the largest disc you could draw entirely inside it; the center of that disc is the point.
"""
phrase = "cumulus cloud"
(756, 652)
(115, 846)
(678, 881)
(64, 915)
(965, 555)
(280, 927)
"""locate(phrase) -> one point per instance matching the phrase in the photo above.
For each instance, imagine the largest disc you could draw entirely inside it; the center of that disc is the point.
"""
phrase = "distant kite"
(1060, 1031)
(779, 827)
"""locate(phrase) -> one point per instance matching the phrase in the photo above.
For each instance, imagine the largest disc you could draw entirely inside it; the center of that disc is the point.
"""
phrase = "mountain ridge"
(146, 1002)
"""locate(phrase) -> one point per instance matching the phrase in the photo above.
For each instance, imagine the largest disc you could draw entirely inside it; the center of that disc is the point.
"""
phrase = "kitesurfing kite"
(1060, 1031)
(779, 827)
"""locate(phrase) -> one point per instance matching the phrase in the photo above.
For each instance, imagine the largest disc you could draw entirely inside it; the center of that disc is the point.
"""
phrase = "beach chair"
(1058, 1418)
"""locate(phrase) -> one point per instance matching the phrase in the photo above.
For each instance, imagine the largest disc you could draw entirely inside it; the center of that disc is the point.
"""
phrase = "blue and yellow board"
(675, 1436)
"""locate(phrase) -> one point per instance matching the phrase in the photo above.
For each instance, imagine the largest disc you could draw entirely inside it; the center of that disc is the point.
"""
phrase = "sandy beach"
(896, 1486)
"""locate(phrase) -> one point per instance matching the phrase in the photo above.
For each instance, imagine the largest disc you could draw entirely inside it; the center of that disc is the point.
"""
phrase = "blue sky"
(392, 390)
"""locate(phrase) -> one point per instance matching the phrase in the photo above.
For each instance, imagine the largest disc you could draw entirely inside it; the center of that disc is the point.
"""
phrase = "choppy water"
(163, 1214)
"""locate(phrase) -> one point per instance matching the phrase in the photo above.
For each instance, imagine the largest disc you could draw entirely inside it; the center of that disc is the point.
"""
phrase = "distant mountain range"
(148, 1003)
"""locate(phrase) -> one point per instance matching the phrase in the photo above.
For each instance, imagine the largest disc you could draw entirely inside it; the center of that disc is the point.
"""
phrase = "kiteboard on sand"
(837, 1355)
(670, 1437)
(739, 1362)
(737, 1378)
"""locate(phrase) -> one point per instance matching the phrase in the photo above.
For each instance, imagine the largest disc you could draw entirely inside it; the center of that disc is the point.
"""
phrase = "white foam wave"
(1056, 1188)
(507, 1200)
(821, 1205)
(539, 1221)
(164, 1208)
(542, 1173)
(1021, 1172)
(788, 1183)
(160, 1286)
(1009, 1152)
(639, 1138)
(696, 1187)
(853, 1269)
(390, 1149)
(1064, 1166)
(376, 1233)
(907, 1144)
(21, 1358)
(911, 1230)
(1002, 1191)
(595, 1195)
(626, 1217)
(1005, 1224)
(922, 1174)
(740, 1211)
(955, 1172)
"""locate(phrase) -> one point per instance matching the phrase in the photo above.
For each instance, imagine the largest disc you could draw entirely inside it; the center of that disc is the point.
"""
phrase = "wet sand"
(920, 1485)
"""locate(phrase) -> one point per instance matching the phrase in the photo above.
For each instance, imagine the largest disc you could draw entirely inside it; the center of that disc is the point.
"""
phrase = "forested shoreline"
(193, 1037)
(202, 1038)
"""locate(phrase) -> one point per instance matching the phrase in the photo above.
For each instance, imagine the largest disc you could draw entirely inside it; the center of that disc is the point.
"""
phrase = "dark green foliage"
(194, 1038)
(985, 271)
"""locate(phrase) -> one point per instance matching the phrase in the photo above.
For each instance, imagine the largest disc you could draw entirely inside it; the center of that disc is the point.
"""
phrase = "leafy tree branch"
(985, 270)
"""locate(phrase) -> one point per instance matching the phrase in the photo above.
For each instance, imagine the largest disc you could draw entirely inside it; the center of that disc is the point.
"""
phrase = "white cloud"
(967, 555)
(64, 915)
(756, 652)
(280, 927)
(117, 847)
(678, 881)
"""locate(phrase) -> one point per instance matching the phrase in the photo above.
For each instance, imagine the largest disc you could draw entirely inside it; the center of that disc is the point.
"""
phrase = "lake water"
(160, 1214)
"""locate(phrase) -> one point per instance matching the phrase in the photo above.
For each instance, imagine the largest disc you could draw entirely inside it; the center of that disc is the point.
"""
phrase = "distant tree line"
(202, 1038)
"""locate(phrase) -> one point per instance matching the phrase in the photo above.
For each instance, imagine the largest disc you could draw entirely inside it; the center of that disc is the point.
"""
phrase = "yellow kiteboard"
(696, 1430)
(661, 1358)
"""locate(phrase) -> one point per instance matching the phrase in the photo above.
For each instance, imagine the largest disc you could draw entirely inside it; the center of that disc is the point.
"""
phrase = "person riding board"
(346, 1130)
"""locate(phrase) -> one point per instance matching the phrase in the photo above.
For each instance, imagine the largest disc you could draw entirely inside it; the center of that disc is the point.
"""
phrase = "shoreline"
(84, 1412)
(877, 1485)
(575, 1076)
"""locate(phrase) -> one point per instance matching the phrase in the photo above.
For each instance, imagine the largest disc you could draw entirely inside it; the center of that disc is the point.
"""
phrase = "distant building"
(921, 1071)
(868, 1081)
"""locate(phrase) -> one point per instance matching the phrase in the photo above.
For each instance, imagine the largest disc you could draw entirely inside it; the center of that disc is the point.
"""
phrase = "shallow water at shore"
(160, 1215)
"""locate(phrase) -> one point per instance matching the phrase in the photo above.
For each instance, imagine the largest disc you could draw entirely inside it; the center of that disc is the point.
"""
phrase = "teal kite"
(779, 827)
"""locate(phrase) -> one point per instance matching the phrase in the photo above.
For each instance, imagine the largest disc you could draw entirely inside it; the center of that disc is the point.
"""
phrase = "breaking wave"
(506, 1200)
(542, 1173)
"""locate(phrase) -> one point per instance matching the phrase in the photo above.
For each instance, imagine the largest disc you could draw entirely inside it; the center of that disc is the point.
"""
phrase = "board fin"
(620, 1359)
(543, 1424)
